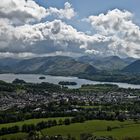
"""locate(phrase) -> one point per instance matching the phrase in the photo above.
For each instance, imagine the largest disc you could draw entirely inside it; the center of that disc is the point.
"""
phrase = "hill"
(133, 67)
(105, 63)
(57, 65)
(119, 130)
(8, 64)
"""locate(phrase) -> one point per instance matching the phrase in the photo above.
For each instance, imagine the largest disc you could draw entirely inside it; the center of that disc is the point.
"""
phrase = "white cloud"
(21, 11)
(68, 12)
(116, 34)
(120, 26)
(112, 22)
(26, 11)
(48, 37)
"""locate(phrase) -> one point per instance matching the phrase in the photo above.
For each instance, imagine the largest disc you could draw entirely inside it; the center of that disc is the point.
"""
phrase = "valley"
(46, 109)
(69, 70)
(77, 67)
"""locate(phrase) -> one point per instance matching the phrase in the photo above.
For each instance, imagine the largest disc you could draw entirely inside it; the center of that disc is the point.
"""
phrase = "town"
(38, 99)
(21, 101)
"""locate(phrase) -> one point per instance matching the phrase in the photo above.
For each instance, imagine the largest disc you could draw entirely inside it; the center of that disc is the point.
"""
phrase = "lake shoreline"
(34, 78)
(69, 76)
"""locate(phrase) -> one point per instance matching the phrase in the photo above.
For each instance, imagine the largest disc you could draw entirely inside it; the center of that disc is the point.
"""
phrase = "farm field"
(96, 127)
(127, 131)
(31, 121)
(13, 136)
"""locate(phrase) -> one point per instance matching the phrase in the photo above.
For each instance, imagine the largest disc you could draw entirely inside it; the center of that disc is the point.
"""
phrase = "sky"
(37, 28)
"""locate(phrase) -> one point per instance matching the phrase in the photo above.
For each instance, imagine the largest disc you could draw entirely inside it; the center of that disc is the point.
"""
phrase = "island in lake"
(67, 83)
(42, 78)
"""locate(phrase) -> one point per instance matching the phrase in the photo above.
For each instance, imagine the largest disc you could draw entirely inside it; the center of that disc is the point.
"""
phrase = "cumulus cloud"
(26, 11)
(112, 22)
(68, 12)
(21, 11)
(48, 37)
(120, 26)
(22, 36)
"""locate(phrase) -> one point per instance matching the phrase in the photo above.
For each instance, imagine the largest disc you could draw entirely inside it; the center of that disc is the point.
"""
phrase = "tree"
(67, 121)
(86, 136)
(60, 122)
(109, 128)
(33, 135)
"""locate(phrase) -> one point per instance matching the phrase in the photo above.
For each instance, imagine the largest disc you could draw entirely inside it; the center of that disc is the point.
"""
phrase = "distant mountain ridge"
(133, 67)
(107, 63)
(57, 65)
(66, 66)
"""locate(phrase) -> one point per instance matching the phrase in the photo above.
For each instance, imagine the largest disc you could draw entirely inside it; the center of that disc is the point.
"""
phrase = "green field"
(14, 136)
(96, 127)
(99, 128)
(127, 131)
(31, 121)
(98, 88)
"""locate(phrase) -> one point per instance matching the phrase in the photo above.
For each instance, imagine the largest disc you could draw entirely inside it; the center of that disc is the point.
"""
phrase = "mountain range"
(68, 66)
(57, 65)
(133, 67)
(110, 63)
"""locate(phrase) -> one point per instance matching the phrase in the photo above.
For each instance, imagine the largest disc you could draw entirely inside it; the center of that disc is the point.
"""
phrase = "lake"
(34, 78)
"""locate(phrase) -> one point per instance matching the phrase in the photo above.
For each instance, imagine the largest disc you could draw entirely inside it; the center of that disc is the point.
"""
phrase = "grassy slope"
(128, 131)
(99, 88)
(22, 135)
(31, 121)
(14, 136)
(96, 127)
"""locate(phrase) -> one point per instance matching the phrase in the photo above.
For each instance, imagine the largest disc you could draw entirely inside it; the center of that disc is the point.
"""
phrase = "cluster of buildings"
(23, 99)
